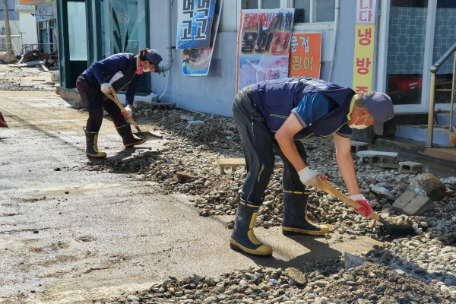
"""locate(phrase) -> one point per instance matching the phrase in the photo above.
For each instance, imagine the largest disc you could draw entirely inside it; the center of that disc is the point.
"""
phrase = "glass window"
(302, 11)
(270, 4)
(77, 31)
(324, 11)
(123, 26)
(306, 11)
(249, 4)
(409, 3)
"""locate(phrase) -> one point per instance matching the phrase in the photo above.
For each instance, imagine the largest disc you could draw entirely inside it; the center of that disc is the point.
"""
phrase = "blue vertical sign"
(194, 23)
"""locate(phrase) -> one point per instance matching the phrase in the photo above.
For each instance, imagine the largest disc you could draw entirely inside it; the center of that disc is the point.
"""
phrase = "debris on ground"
(418, 269)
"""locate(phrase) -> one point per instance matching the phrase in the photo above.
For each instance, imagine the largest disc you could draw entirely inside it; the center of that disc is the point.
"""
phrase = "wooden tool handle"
(326, 187)
(113, 97)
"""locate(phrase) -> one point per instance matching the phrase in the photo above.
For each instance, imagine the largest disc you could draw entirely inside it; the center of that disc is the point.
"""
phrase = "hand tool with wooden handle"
(145, 135)
(391, 229)
(326, 187)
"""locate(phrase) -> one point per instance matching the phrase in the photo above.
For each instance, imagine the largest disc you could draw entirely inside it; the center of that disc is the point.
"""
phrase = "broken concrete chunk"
(231, 163)
(383, 192)
(296, 275)
(353, 261)
(429, 185)
(411, 203)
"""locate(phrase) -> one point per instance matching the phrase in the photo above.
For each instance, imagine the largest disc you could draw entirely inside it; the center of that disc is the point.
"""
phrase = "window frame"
(284, 4)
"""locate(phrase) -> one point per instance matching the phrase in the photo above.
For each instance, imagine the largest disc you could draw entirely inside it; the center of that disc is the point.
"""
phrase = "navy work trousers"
(95, 101)
(258, 144)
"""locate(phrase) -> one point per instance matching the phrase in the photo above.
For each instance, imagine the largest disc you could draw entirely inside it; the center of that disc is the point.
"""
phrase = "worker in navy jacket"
(274, 116)
(118, 72)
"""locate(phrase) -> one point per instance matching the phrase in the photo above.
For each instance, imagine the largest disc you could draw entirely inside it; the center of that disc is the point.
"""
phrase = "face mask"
(148, 70)
(361, 126)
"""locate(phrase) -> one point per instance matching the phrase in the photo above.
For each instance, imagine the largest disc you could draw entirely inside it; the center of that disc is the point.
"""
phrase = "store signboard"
(366, 12)
(194, 23)
(44, 14)
(196, 62)
(264, 40)
(305, 55)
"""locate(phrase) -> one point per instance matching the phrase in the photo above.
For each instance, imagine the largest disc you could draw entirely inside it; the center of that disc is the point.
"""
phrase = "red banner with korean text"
(263, 45)
(363, 64)
(305, 55)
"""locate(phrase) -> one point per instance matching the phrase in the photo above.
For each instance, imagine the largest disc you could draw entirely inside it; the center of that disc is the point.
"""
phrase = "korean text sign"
(264, 39)
(196, 62)
(194, 23)
(305, 55)
(364, 46)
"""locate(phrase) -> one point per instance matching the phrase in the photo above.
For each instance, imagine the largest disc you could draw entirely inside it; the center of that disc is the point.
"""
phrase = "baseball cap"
(154, 57)
(380, 107)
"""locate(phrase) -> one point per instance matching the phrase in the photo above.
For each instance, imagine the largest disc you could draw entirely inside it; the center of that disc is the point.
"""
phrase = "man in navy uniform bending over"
(274, 116)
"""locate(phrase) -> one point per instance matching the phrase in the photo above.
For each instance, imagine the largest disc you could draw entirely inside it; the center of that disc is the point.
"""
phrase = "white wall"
(27, 27)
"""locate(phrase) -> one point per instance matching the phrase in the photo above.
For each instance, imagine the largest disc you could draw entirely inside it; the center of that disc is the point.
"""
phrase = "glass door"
(120, 26)
(406, 47)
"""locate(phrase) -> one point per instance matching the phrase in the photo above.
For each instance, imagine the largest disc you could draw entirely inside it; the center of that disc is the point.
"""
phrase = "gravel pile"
(414, 269)
(369, 283)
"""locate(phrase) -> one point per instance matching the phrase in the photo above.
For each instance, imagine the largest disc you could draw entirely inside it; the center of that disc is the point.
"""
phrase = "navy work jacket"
(119, 70)
(275, 99)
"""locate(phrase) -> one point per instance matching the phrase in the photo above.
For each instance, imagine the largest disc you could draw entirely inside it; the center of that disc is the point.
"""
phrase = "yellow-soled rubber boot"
(128, 139)
(243, 239)
(92, 142)
(295, 221)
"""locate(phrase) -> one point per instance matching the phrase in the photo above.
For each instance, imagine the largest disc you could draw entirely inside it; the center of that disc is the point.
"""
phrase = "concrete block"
(411, 203)
(378, 158)
(410, 167)
(231, 163)
(357, 146)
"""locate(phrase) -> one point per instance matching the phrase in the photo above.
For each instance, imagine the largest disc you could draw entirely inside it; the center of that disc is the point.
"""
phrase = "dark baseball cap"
(154, 57)
(381, 108)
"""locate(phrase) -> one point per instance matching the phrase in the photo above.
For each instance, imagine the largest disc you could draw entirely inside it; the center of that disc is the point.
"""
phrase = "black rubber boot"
(295, 221)
(243, 239)
(92, 140)
(129, 140)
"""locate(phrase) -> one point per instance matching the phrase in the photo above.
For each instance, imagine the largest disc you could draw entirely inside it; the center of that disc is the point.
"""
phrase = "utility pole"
(7, 27)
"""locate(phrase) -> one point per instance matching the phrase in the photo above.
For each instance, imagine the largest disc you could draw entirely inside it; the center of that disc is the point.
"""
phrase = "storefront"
(418, 34)
(92, 30)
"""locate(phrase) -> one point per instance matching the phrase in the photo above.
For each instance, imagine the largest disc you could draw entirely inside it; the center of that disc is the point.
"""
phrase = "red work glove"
(365, 210)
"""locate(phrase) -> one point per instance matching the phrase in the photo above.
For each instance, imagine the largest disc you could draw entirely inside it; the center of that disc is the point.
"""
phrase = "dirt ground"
(70, 232)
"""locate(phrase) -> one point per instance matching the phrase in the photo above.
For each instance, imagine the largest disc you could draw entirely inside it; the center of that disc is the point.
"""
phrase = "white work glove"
(365, 209)
(106, 88)
(309, 177)
(128, 112)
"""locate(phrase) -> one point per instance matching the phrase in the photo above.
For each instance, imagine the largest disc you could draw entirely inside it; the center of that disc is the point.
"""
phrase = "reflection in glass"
(123, 26)
(324, 11)
(302, 11)
(77, 31)
(270, 3)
